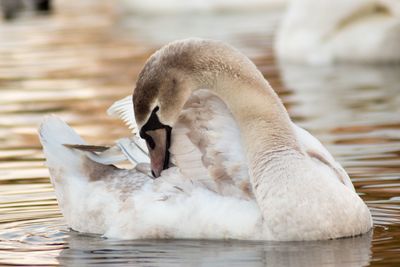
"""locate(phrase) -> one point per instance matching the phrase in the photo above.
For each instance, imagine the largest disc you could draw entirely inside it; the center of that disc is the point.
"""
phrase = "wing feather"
(316, 150)
(206, 146)
(134, 148)
(123, 109)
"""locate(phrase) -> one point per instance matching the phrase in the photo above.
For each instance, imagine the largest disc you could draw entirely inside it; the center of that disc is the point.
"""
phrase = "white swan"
(243, 169)
(324, 31)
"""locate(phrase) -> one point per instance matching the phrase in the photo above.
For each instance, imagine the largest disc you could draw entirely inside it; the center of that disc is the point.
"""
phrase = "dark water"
(85, 56)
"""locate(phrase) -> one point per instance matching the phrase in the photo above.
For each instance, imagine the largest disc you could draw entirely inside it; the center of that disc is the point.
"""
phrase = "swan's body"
(324, 31)
(233, 178)
(131, 204)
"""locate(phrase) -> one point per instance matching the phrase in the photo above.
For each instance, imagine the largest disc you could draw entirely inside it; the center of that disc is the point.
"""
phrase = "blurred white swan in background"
(325, 31)
(243, 169)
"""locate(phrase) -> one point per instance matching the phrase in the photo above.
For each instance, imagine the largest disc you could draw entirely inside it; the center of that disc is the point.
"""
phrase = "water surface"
(75, 63)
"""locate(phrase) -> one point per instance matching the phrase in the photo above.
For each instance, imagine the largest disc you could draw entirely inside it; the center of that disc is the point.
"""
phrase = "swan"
(226, 162)
(324, 32)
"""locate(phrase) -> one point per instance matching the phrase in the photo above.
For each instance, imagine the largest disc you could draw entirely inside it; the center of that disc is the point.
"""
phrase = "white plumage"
(325, 31)
(207, 195)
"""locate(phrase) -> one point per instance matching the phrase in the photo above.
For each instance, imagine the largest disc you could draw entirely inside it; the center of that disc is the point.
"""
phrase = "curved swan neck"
(263, 120)
(173, 72)
(266, 130)
(193, 64)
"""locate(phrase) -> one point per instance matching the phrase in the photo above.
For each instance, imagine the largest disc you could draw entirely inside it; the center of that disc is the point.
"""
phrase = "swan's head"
(162, 88)
(167, 80)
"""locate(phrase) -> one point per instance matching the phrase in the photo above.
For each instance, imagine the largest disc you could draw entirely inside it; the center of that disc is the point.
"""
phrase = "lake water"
(79, 60)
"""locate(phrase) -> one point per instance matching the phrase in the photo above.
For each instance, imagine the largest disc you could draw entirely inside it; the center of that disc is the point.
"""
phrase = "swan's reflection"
(85, 250)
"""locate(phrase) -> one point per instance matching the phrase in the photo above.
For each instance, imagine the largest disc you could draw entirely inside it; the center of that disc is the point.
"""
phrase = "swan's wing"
(133, 149)
(206, 146)
(205, 143)
(316, 150)
(123, 109)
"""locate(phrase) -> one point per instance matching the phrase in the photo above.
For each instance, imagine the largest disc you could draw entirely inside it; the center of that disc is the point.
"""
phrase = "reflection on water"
(350, 252)
(49, 242)
(76, 63)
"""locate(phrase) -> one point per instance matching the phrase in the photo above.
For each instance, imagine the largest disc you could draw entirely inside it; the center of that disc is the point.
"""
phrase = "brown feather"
(87, 148)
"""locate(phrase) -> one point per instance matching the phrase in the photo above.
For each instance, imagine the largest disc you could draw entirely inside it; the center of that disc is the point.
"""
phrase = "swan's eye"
(149, 140)
(148, 129)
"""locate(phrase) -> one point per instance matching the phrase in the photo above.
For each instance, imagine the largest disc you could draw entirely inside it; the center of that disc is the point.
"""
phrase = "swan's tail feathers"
(66, 158)
(53, 134)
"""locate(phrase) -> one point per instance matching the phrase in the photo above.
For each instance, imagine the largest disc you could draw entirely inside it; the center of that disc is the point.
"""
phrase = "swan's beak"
(158, 150)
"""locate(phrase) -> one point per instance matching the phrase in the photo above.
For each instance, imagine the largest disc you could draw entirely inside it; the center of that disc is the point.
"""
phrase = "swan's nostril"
(152, 173)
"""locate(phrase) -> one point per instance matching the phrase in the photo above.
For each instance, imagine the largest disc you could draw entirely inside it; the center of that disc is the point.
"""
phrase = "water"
(75, 63)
